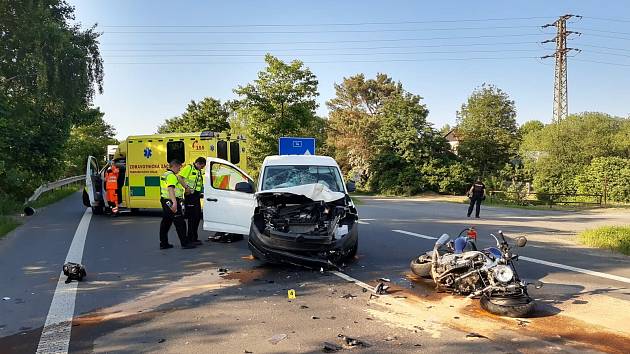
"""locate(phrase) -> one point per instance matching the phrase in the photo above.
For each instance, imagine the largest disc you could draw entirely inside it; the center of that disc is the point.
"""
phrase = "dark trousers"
(475, 199)
(169, 218)
(193, 214)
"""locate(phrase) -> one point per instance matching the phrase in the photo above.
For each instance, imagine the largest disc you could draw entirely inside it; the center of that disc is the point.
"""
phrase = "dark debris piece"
(331, 347)
(475, 335)
(162, 340)
(348, 296)
(353, 342)
(303, 307)
(381, 289)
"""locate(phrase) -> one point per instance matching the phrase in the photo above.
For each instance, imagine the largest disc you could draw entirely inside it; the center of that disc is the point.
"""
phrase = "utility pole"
(560, 100)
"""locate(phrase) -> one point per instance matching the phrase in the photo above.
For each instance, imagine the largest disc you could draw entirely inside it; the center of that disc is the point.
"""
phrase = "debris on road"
(6, 298)
(391, 338)
(314, 318)
(74, 271)
(331, 347)
(386, 280)
(225, 238)
(381, 289)
(348, 296)
(353, 342)
(222, 270)
(291, 294)
(277, 338)
(162, 340)
(303, 307)
(475, 335)
(247, 351)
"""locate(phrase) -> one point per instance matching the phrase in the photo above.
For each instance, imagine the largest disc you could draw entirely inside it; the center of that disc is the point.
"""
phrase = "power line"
(328, 24)
(605, 36)
(602, 62)
(339, 41)
(323, 31)
(604, 47)
(602, 31)
(608, 53)
(316, 49)
(312, 54)
(607, 19)
(327, 62)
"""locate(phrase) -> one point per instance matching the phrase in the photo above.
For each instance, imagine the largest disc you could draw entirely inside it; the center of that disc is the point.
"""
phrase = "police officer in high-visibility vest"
(171, 194)
(193, 183)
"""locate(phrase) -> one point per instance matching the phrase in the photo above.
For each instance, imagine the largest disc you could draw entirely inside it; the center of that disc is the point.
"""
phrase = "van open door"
(93, 186)
(229, 199)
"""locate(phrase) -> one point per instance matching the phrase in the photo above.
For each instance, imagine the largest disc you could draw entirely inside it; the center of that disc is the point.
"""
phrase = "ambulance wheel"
(97, 210)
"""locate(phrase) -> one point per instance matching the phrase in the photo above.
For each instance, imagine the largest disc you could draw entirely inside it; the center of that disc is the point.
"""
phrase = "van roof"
(310, 160)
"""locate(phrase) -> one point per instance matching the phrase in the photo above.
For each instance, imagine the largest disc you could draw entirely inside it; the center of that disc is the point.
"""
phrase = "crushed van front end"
(295, 229)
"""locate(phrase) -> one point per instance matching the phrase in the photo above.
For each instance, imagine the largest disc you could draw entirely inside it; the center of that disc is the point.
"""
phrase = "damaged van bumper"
(306, 225)
(278, 247)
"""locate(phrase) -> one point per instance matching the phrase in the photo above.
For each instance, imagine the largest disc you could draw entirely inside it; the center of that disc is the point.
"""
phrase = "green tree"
(49, 73)
(353, 123)
(561, 151)
(88, 140)
(530, 126)
(486, 124)
(281, 102)
(207, 114)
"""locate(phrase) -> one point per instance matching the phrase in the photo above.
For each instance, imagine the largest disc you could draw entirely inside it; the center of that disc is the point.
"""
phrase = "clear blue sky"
(425, 45)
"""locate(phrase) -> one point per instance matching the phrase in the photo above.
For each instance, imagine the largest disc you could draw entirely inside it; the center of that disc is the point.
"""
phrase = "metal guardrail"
(53, 185)
(550, 198)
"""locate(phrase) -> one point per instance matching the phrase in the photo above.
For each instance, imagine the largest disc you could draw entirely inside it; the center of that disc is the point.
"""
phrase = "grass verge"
(7, 224)
(54, 196)
(616, 238)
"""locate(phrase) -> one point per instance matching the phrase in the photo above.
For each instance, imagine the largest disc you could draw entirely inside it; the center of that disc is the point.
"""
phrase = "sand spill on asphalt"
(424, 310)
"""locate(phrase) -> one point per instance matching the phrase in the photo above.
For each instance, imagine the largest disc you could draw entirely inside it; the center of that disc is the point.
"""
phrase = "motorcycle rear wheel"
(520, 306)
(421, 266)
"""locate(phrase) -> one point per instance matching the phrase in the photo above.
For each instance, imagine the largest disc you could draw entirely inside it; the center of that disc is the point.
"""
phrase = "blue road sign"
(296, 146)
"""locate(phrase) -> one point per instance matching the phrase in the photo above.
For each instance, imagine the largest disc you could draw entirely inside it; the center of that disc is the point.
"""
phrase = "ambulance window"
(222, 150)
(175, 150)
(235, 152)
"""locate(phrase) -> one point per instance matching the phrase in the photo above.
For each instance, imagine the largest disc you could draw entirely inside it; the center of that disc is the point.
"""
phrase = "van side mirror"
(244, 187)
(351, 186)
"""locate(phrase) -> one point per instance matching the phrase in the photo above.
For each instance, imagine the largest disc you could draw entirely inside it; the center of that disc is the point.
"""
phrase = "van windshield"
(297, 175)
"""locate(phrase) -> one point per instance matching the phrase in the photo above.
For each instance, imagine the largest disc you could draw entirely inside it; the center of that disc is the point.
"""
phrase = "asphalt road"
(138, 298)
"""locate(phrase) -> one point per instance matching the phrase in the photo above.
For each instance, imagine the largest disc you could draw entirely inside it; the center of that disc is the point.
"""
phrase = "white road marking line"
(55, 336)
(540, 261)
(415, 234)
(363, 222)
(345, 276)
(576, 269)
(368, 219)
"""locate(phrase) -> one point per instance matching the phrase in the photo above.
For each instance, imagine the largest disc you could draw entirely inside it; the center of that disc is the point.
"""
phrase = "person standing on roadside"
(171, 194)
(476, 194)
(192, 176)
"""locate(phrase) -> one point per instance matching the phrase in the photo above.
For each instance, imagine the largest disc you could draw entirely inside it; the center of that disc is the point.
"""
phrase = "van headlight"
(503, 273)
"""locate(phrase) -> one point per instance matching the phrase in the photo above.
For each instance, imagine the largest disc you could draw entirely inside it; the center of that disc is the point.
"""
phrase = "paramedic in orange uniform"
(111, 187)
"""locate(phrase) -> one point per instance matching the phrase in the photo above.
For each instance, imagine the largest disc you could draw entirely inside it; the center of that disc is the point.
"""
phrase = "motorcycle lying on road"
(459, 267)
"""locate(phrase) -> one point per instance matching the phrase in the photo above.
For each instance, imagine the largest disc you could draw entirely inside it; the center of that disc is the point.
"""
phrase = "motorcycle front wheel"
(519, 306)
(421, 266)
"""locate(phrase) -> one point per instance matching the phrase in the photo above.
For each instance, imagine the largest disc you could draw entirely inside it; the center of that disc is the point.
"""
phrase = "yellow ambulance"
(142, 159)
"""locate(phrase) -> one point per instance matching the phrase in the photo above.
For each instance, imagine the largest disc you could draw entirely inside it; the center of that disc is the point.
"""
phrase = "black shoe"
(468, 215)
(166, 246)
(197, 243)
(188, 246)
(477, 216)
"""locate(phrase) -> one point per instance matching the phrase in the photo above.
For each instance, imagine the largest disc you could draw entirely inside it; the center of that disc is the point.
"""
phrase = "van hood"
(314, 191)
